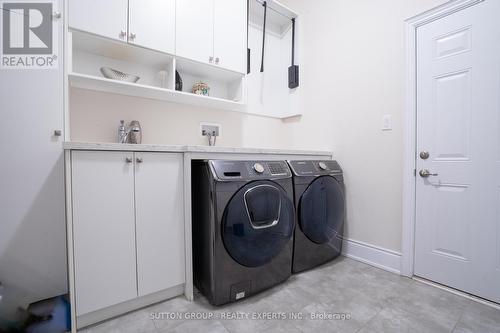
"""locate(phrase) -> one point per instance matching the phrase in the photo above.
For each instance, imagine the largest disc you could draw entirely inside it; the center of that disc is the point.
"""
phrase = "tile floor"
(366, 298)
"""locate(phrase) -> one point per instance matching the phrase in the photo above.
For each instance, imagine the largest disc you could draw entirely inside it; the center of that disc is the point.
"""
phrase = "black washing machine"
(320, 206)
(243, 223)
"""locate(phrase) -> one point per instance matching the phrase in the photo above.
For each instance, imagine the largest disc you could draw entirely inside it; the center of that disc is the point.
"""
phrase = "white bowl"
(114, 74)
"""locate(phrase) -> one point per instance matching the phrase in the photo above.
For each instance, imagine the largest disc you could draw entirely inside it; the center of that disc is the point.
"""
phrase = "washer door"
(257, 223)
(321, 210)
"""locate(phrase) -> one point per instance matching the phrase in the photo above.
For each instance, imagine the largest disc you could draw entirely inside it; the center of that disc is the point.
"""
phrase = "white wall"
(95, 117)
(352, 72)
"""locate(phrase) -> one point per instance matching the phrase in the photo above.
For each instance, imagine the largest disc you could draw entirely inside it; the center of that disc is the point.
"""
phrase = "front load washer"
(243, 222)
(320, 206)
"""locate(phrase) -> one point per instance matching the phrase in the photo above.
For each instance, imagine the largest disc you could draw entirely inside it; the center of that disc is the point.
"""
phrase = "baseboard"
(376, 256)
(458, 292)
(128, 306)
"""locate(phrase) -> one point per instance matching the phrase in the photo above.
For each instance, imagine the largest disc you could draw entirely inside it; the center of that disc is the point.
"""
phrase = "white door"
(159, 221)
(195, 30)
(152, 24)
(105, 18)
(103, 229)
(32, 222)
(230, 34)
(458, 124)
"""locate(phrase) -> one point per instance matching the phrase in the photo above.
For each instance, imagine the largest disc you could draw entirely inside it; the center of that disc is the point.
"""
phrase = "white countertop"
(70, 145)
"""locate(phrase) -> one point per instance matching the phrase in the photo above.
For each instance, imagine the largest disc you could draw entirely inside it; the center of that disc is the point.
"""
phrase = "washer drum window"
(257, 223)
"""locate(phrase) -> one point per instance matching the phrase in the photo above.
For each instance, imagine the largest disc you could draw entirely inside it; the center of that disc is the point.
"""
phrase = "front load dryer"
(320, 207)
(243, 222)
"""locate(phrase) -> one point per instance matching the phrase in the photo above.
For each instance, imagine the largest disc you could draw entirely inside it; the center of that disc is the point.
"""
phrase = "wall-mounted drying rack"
(268, 92)
(279, 17)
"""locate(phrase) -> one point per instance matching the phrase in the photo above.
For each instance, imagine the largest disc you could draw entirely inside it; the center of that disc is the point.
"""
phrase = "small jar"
(135, 135)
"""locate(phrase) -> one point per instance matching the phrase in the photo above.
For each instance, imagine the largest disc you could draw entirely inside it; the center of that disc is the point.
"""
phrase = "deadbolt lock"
(424, 154)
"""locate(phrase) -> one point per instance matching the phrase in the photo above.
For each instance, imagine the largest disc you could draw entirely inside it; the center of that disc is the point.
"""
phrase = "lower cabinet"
(128, 226)
(159, 211)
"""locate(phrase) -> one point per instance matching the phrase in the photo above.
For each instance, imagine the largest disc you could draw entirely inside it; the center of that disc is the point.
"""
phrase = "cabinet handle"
(210, 59)
(123, 34)
(139, 160)
(217, 60)
(132, 36)
(128, 160)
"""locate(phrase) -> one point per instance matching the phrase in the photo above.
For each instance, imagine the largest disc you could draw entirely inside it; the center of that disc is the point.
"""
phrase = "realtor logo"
(27, 35)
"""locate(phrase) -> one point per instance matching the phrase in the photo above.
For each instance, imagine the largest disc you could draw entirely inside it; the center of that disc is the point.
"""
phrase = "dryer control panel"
(249, 170)
(315, 168)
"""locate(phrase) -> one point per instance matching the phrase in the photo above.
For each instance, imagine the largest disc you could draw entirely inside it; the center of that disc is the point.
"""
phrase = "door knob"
(128, 160)
(210, 59)
(123, 33)
(217, 60)
(132, 36)
(139, 160)
(424, 173)
(424, 154)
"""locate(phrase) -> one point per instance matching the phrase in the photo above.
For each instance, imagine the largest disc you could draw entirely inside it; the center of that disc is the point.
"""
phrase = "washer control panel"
(258, 167)
(249, 170)
(315, 168)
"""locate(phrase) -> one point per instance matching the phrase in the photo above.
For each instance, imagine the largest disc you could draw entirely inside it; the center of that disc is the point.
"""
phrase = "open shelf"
(88, 53)
(95, 83)
(223, 84)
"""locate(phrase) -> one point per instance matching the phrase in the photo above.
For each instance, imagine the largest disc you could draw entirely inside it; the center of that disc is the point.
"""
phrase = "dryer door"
(321, 210)
(257, 223)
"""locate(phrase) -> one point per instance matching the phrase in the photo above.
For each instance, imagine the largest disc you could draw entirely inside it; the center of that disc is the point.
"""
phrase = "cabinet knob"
(128, 159)
(57, 132)
(210, 59)
(132, 36)
(139, 160)
(56, 15)
(123, 34)
(217, 60)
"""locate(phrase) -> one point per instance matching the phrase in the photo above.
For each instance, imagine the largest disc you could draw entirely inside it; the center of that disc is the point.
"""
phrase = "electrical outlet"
(210, 128)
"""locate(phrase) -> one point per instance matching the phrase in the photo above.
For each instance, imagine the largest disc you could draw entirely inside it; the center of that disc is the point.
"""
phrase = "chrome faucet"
(130, 134)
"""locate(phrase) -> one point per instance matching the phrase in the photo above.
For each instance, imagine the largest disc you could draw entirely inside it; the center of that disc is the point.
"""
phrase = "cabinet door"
(160, 221)
(106, 18)
(230, 34)
(32, 220)
(103, 229)
(152, 24)
(194, 29)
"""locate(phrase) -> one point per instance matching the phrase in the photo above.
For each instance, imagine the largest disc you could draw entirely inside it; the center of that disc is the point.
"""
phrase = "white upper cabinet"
(106, 18)
(152, 24)
(207, 31)
(148, 23)
(194, 30)
(230, 34)
(213, 32)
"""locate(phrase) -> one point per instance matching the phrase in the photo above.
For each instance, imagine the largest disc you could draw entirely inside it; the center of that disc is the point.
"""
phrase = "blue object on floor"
(59, 310)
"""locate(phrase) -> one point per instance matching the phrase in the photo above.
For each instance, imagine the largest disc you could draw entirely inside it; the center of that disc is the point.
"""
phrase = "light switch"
(386, 122)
